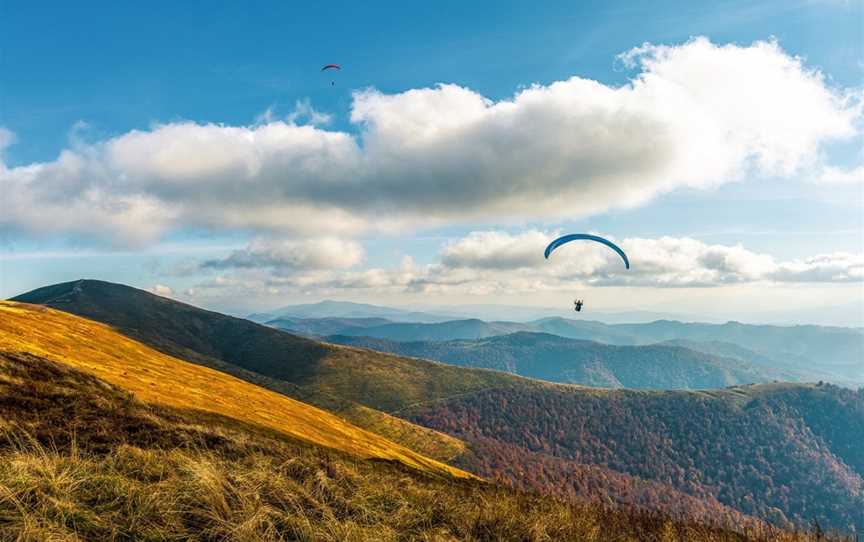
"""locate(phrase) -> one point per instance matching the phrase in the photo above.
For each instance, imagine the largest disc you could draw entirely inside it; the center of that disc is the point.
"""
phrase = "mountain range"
(784, 453)
(345, 309)
(573, 361)
(847, 314)
(809, 353)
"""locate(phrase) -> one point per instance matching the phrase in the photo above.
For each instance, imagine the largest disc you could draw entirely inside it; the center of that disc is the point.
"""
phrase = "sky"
(197, 150)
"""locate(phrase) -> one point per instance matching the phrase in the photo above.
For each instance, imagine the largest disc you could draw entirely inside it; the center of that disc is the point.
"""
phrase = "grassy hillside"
(382, 382)
(158, 378)
(81, 459)
(278, 361)
(553, 358)
(786, 453)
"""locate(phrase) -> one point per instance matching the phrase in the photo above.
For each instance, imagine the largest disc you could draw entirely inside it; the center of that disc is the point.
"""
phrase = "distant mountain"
(345, 309)
(803, 371)
(835, 354)
(456, 329)
(849, 314)
(835, 349)
(527, 313)
(320, 327)
(569, 361)
(720, 348)
(845, 315)
(587, 330)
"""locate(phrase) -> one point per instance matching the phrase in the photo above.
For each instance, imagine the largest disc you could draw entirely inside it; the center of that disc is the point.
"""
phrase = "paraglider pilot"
(578, 305)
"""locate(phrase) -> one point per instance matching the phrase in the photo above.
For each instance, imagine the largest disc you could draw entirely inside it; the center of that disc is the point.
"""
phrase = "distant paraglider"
(577, 303)
(331, 67)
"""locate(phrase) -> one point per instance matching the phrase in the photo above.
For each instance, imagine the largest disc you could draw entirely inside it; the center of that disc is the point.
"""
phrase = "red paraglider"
(332, 67)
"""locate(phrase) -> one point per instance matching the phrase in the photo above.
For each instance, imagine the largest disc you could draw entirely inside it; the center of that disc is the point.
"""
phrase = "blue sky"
(77, 77)
(119, 65)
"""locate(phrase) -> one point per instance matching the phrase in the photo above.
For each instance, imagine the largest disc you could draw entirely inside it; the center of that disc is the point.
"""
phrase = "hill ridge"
(156, 377)
(268, 357)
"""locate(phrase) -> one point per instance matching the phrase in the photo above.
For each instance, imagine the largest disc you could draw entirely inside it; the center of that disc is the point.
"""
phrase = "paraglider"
(580, 236)
(577, 304)
(331, 67)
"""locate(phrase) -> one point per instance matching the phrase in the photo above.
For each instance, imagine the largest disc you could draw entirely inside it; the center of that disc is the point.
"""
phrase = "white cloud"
(293, 255)
(836, 267)
(7, 138)
(495, 250)
(842, 176)
(74, 196)
(161, 289)
(305, 113)
(695, 114)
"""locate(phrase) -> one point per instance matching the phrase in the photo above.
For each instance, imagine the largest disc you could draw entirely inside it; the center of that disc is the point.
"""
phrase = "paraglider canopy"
(331, 67)
(585, 236)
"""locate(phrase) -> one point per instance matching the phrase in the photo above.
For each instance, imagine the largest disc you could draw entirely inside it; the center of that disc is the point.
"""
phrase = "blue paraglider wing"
(585, 236)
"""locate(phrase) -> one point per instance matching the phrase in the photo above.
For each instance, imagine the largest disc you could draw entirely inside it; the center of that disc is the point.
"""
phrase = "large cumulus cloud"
(695, 114)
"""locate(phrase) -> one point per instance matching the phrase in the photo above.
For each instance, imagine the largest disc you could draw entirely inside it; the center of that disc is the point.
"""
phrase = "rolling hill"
(788, 453)
(380, 381)
(744, 450)
(165, 380)
(261, 355)
(570, 361)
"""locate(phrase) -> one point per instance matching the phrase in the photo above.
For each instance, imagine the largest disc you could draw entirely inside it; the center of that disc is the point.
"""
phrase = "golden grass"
(425, 441)
(145, 494)
(160, 379)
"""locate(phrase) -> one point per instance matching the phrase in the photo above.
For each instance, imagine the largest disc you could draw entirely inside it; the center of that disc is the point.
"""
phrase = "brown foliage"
(751, 449)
